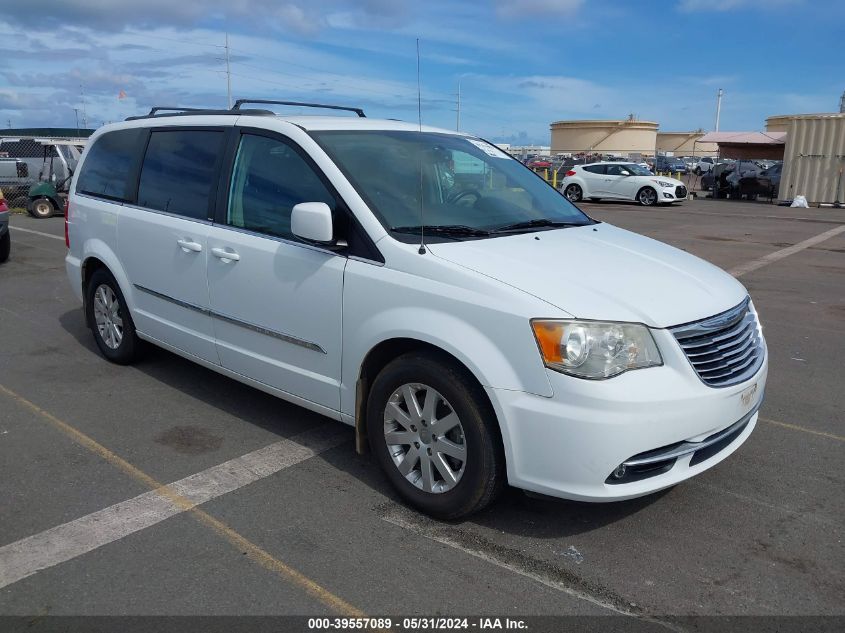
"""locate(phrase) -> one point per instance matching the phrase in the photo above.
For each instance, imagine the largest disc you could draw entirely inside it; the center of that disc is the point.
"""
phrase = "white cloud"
(691, 6)
(533, 8)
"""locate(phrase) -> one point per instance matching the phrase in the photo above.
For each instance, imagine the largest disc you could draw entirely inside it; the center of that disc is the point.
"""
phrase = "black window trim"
(602, 169)
(372, 254)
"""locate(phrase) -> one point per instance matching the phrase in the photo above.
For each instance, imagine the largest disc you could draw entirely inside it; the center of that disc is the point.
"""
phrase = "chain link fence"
(27, 161)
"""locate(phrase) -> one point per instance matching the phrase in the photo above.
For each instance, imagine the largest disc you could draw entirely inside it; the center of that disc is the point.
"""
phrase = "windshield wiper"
(445, 230)
(533, 224)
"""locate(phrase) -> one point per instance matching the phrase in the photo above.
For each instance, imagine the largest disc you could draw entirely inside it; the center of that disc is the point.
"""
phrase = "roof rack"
(357, 111)
(162, 111)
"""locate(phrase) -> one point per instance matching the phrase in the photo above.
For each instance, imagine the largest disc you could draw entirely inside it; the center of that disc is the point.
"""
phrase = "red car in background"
(539, 163)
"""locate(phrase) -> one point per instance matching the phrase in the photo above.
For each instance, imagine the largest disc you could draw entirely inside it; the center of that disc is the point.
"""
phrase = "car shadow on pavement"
(515, 512)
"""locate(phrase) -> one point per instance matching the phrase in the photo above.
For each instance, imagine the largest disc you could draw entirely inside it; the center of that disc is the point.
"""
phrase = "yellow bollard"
(546, 174)
(554, 178)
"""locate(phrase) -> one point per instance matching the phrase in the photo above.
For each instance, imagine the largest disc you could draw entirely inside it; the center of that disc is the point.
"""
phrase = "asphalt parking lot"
(82, 441)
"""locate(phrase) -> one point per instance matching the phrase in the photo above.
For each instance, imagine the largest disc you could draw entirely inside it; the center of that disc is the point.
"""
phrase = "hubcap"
(647, 196)
(107, 316)
(425, 438)
(572, 194)
(43, 208)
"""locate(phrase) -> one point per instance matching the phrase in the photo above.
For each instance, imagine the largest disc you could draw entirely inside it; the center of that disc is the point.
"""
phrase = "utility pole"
(842, 103)
(718, 107)
(82, 97)
(76, 112)
(458, 122)
(228, 76)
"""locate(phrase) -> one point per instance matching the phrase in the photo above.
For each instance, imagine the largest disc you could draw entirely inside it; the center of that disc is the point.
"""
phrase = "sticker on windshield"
(487, 148)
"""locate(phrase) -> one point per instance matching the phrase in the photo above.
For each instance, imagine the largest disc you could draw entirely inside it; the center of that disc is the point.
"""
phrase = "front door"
(621, 182)
(276, 302)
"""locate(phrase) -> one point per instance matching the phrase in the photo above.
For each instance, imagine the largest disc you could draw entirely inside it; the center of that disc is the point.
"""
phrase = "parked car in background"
(539, 163)
(765, 182)
(5, 234)
(704, 165)
(732, 180)
(522, 343)
(15, 181)
(669, 164)
(621, 181)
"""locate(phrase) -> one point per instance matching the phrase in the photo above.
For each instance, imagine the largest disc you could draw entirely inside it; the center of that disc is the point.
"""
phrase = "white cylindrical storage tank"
(623, 137)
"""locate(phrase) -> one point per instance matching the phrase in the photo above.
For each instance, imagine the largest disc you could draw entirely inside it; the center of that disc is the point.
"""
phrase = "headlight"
(595, 349)
(663, 183)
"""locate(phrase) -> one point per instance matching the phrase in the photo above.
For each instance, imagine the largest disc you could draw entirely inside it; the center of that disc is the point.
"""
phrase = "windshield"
(450, 181)
(638, 170)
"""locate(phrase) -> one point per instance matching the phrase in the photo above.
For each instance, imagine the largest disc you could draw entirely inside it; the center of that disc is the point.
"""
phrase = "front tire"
(41, 208)
(573, 193)
(647, 196)
(5, 246)
(435, 436)
(109, 319)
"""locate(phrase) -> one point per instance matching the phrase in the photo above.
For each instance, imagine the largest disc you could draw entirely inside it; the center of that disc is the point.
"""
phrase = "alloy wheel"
(425, 438)
(648, 196)
(107, 316)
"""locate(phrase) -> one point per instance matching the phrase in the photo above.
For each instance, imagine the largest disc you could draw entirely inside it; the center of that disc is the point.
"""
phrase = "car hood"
(602, 272)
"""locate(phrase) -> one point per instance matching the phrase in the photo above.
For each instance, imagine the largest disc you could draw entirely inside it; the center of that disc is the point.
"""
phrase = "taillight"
(67, 217)
(570, 173)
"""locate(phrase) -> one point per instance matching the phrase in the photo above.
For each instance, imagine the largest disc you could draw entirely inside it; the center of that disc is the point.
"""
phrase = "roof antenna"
(419, 118)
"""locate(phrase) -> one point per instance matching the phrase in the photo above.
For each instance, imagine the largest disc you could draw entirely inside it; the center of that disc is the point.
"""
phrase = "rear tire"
(445, 455)
(41, 208)
(573, 193)
(109, 319)
(5, 246)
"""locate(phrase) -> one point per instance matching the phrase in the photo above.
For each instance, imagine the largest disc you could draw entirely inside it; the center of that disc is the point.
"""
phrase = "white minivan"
(472, 324)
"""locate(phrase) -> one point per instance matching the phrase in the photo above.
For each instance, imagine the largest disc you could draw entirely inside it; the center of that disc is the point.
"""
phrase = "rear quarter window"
(595, 169)
(106, 169)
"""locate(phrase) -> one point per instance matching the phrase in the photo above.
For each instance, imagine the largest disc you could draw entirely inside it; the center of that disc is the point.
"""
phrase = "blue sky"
(520, 63)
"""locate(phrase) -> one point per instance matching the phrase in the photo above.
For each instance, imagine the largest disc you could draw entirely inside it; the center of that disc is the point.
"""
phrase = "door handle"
(226, 256)
(189, 245)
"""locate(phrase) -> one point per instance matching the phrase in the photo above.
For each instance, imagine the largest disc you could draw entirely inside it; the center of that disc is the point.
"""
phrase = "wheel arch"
(98, 255)
(641, 189)
(388, 350)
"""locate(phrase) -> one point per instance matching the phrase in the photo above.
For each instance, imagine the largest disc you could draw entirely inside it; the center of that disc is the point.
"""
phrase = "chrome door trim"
(178, 302)
(244, 324)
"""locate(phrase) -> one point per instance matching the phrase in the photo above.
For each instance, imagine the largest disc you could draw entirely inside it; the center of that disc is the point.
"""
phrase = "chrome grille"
(725, 349)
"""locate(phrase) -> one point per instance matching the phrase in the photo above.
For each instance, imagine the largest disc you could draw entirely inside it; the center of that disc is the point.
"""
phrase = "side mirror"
(626, 173)
(312, 221)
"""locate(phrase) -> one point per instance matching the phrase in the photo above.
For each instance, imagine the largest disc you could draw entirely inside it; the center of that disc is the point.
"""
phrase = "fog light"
(667, 195)
(619, 473)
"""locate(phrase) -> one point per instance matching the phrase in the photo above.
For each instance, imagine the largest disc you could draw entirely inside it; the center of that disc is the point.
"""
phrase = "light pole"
(718, 107)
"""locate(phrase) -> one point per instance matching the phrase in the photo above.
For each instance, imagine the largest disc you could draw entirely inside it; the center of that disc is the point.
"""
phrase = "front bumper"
(672, 194)
(570, 444)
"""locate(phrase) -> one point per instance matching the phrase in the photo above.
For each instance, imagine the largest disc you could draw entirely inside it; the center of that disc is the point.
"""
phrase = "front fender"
(483, 327)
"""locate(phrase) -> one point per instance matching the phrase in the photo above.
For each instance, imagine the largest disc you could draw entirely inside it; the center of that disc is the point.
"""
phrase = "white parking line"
(52, 237)
(747, 267)
(62, 543)
(426, 528)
